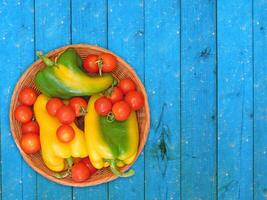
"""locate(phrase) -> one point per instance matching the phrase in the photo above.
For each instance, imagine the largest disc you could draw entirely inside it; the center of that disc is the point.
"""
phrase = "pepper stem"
(117, 172)
(66, 173)
(46, 60)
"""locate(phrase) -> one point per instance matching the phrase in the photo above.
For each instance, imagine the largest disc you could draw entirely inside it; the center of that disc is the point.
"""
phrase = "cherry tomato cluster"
(66, 114)
(123, 99)
(104, 62)
(30, 141)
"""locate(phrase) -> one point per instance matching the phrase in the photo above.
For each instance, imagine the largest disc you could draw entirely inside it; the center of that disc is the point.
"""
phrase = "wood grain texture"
(126, 38)
(89, 25)
(235, 100)
(52, 30)
(198, 99)
(16, 40)
(260, 99)
(162, 80)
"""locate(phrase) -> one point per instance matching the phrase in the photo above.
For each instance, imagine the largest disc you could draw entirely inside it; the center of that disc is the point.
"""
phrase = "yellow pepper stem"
(65, 173)
(117, 172)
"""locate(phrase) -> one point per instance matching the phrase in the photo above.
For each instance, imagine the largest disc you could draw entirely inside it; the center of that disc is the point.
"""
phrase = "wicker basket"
(27, 79)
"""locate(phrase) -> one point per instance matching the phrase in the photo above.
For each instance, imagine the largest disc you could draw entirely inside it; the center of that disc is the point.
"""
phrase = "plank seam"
(70, 21)
(216, 66)
(253, 105)
(180, 27)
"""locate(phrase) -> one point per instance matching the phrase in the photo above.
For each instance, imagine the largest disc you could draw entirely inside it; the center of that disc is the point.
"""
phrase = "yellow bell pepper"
(113, 144)
(53, 151)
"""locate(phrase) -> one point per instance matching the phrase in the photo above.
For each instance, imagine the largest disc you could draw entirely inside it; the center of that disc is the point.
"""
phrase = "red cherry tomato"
(30, 126)
(65, 115)
(103, 106)
(126, 85)
(107, 62)
(116, 95)
(135, 99)
(79, 105)
(80, 172)
(30, 143)
(53, 105)
(23, 113)
(27, 96)
(88, 164)
(121, 110)
(90, 64)
(65, 133)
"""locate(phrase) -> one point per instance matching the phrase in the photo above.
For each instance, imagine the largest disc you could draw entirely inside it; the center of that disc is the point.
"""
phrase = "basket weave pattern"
(27, 79)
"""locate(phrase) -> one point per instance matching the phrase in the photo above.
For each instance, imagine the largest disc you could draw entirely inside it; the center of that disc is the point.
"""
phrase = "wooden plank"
(89, 22)
(260, 99)
(89, 25)
(198, 99)
(162, 81)
(126, 39)
(16, 37)
(52, 30)
(235, 100)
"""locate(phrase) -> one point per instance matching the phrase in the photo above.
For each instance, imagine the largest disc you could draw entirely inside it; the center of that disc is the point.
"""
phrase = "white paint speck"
(96, 15)
(62, 22)
(158, 26)
(110, 10)
(243, 28)
(3, 38)
(232, 145)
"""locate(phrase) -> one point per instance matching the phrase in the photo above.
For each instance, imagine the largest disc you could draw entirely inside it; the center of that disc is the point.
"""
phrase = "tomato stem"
(100, 63)
(82, 111)
(110, 117)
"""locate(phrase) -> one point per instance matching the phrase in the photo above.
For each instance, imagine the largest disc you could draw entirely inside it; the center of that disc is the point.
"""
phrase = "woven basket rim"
(28, 159)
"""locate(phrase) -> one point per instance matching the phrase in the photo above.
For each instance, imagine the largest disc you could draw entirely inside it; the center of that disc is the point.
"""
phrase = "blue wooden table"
(204, 66)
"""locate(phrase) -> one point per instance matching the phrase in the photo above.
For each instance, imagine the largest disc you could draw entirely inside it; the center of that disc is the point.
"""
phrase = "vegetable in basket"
(55, 152)
(110, 143)
(65, 79)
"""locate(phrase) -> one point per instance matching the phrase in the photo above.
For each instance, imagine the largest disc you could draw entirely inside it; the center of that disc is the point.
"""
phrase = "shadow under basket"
(35, 160)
